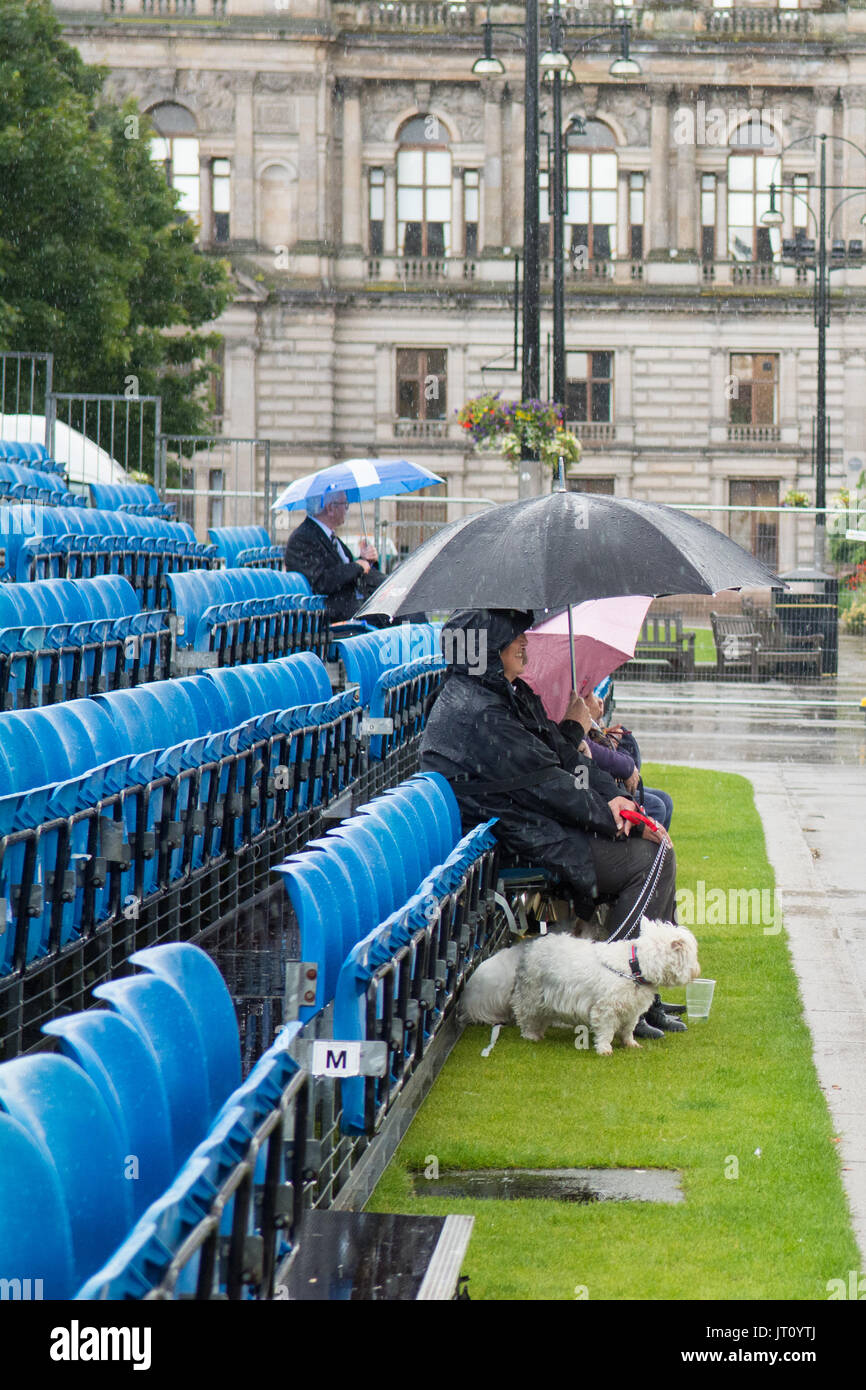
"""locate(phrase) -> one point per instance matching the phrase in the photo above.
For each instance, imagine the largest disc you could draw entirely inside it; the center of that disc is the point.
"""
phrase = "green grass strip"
(734, 1104)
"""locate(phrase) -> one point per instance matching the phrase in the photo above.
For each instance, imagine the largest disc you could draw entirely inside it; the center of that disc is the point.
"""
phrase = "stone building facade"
(368, 190)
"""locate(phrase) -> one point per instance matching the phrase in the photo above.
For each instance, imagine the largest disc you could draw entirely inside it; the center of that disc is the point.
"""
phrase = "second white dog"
(559, 979)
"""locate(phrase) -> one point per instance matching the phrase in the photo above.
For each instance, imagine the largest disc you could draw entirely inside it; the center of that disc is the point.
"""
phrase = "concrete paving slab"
(814, 818)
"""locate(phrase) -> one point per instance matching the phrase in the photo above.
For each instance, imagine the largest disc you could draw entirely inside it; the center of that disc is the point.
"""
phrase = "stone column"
(722, 215)
(854, 164)
(241, 371)
(352, 191)
(854, 437)
(659, 238)
(623, 249)
(719, 365)
(243, 163)
(514, 213)
(491, 178)
(306, 86)
(824, 106)
(686, 184)
(389, 239)
(458, 232)
(789, 369)
(205, 196)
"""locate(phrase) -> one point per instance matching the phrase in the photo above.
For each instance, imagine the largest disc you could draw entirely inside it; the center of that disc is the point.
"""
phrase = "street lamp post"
(796, 252)
(556, 61)
(558, 64)
(531, 353)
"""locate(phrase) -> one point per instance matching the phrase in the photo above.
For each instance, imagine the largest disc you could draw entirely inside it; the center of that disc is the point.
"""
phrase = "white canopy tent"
(85, 461)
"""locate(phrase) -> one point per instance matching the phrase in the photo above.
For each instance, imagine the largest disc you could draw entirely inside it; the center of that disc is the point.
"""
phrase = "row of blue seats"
(20, 483)
(344, 884)
(92, 1138)
(156, 782)
(63, 638)
(142, 498)
(76, 543)
(246, 545)
(367, 655)
(401, 864)
(406, 970)
(245, 610)
(29, 452)
(396, 670)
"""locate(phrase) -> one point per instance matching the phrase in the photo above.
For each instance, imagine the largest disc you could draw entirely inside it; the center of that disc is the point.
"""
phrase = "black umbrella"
(552, 551)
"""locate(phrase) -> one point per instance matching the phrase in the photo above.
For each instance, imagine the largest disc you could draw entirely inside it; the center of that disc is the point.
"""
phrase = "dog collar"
(634, 967)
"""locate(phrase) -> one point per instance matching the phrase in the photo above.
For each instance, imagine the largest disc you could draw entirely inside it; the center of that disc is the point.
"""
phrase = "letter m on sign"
(336, 1058)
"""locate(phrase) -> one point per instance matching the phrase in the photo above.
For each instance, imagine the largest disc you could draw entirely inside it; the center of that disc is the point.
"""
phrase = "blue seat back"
(124, 1069)
(193, 972)
(35, 1237)
(67, 1116)
(164, 1019)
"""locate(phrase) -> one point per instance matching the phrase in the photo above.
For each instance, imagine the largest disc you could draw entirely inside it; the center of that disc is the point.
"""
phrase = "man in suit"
(316, 552)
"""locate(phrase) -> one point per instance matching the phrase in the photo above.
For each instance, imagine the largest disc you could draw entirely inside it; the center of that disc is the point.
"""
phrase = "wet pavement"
(555, 1184)
(700, 721)
(807, 764)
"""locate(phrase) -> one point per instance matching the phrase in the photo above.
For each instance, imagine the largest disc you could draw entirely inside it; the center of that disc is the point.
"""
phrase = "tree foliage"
(96, 263)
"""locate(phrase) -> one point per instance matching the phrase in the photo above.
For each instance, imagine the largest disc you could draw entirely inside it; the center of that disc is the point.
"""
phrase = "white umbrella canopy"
(85, 461)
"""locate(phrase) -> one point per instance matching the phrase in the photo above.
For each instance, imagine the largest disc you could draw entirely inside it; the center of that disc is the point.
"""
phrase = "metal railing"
(215, 481)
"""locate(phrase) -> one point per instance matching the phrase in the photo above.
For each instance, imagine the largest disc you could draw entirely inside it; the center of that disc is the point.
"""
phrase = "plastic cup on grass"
(699, 997)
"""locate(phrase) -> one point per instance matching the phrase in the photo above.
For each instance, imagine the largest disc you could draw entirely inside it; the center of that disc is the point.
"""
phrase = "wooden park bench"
(662, 640)
(752, 643)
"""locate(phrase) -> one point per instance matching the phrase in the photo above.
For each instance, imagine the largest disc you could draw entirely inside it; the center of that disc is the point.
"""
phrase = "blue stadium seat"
(35, 1238)
(121, 1064)
(193, 972)
(67, 1116)
(163, 1017)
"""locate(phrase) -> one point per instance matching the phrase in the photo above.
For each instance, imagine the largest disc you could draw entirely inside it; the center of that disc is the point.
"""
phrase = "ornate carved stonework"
(632, 111)
(461, 105)
(383, 102)
(802, 117)
(273, 82)
(276, 117)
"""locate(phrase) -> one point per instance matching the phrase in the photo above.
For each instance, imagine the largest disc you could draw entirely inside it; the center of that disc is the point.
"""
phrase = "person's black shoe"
(673, 1008)
(644, 1029)
(656, 1017)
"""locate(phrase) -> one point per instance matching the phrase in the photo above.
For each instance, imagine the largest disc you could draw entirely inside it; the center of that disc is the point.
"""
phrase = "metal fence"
(215, 481)
(25, 385)
(94, 432)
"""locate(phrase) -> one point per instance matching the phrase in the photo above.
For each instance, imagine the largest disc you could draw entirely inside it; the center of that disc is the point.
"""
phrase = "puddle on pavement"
(554, 1184)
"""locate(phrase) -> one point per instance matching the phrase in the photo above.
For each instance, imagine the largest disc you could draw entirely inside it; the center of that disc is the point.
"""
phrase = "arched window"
(590, 206)
(752, 164)
(175, 147)
(423, 189)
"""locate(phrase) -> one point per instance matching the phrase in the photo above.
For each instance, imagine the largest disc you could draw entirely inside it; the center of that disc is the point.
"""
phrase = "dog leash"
(626, 927)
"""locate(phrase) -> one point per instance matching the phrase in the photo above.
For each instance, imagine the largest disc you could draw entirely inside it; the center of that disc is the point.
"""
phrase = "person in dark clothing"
(489, 735)
(315, 551)
(616, 751)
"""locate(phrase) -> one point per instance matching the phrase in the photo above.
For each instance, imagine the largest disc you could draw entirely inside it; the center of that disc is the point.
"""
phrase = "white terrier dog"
(559, 979)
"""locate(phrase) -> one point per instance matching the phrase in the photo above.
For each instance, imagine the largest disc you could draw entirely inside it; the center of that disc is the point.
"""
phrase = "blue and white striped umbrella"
(359, 479)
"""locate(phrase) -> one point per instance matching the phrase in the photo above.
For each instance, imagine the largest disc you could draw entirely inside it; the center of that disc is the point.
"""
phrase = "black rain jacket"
(484, 729)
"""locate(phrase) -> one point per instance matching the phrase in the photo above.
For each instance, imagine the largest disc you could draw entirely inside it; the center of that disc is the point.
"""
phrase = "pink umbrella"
(605, 631)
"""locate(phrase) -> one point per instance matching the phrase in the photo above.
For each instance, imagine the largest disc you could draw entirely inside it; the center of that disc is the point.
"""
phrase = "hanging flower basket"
(511, 426)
